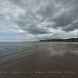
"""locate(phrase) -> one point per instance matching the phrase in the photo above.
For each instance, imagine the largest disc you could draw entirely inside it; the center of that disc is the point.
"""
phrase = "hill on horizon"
(64, 40)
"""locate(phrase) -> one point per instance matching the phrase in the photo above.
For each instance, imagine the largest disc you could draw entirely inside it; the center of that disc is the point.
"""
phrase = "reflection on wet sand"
(42, 60)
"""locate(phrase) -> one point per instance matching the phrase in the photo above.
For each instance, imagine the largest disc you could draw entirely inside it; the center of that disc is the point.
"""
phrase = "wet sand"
(46, 60)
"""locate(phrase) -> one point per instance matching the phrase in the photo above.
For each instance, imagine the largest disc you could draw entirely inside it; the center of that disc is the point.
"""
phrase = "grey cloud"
(36, 30)
(72, 26)
(61, 12)
(67, 18)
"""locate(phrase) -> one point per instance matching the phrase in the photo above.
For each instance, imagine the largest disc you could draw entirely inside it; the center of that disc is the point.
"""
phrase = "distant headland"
(60, 40)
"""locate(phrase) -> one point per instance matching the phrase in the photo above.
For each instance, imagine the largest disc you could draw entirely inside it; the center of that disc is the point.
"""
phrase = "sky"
(38, 19)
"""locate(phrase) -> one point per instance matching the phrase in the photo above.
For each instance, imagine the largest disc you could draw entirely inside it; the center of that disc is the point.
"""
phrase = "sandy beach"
(45, 60)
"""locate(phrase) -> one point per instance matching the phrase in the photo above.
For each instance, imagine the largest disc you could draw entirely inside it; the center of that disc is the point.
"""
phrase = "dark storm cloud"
(36, 30)
(72, 26)
(30, 20)
(46, 16)
(62, 19)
